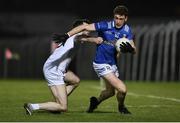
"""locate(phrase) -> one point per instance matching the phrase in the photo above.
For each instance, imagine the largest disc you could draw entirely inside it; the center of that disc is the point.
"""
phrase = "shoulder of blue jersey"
(110, 24)
(126, 28)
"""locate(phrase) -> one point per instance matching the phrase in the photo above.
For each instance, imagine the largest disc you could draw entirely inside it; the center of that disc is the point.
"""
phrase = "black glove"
(60, 38)
(126, 48)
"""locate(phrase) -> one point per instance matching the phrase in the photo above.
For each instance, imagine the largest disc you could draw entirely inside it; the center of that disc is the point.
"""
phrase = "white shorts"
(103, 69)
(53, 76)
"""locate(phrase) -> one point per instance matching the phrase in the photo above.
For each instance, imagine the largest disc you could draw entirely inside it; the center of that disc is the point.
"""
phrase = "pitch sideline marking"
(149, 96)
(154, 97)
(145, 106)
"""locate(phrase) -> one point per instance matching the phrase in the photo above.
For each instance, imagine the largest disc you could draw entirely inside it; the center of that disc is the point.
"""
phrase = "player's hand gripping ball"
(123, 45)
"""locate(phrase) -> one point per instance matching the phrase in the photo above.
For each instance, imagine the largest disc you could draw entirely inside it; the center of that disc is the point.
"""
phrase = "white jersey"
(56, 65)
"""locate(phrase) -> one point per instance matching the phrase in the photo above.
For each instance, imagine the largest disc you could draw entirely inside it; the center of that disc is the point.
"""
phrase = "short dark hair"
(80, 21)
(120, 10)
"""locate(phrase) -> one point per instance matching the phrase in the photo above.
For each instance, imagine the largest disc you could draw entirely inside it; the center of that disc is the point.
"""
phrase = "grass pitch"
(148, 101)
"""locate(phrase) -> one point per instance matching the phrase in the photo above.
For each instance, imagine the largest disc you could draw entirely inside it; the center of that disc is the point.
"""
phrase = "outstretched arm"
(85, 36)
(87, 27)
(61, 38)
(97, 40)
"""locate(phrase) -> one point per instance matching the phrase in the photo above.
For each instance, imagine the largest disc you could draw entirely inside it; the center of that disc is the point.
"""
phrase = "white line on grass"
(148, 96)
(154, 97)
(150, 106)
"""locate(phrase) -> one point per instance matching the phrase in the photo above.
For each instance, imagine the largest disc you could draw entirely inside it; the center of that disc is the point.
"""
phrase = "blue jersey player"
(106, 56)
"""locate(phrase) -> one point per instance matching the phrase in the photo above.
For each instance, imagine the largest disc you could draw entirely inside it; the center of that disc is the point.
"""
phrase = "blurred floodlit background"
(26, 27)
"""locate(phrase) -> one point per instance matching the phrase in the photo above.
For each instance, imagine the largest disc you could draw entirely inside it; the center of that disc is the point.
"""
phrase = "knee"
(122, 89)
(62, 108)
(62, 105)
(77, 81)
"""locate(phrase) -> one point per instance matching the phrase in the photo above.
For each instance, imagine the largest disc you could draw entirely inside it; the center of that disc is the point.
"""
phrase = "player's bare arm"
(61, 38)
(88, 27)
(97, 40)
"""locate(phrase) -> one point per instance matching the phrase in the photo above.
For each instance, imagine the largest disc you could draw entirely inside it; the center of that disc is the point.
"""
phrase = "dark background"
(94, 8)
(26, 27)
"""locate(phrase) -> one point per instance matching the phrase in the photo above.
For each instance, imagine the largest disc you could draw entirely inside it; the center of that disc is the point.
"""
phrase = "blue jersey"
(106, 29)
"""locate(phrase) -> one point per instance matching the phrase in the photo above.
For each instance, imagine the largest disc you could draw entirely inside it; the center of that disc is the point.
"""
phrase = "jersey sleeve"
(128, 30)
(103, 25)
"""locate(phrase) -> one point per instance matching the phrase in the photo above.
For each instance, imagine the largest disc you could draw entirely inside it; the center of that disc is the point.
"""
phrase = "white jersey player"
(60, 81)
(57, 63)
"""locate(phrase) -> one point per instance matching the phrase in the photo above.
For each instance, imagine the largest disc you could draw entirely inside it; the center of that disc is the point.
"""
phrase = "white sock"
(35, 106)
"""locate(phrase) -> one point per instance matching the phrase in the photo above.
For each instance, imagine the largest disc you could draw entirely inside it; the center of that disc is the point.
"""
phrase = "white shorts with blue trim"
(103, 69)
